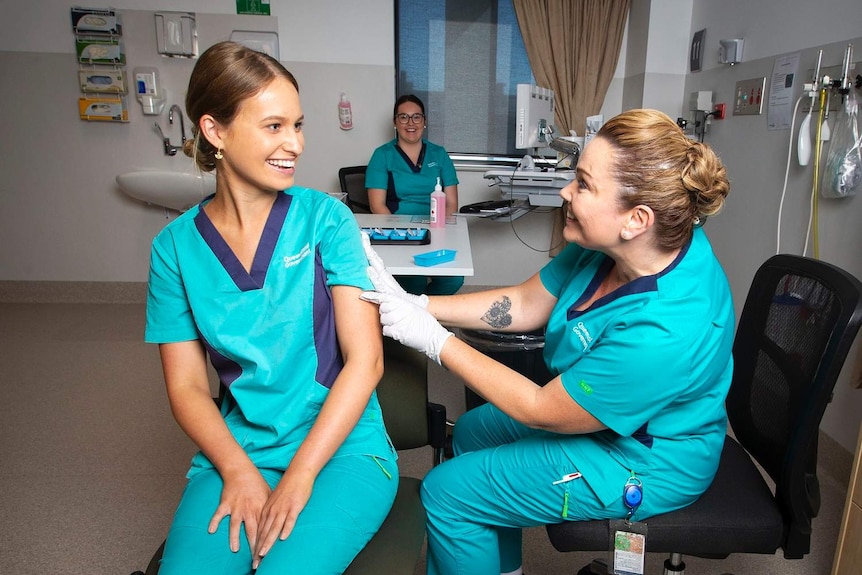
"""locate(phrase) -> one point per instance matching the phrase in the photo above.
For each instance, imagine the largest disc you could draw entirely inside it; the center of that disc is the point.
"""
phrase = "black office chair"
(352, 180)
(797, 325)
(412, 422)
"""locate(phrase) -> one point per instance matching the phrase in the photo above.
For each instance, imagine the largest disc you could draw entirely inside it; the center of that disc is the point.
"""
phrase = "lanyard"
(633, 494)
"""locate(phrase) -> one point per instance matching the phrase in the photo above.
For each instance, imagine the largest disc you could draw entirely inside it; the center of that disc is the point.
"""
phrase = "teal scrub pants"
(431, 285)
(351, 497)
(500, 480)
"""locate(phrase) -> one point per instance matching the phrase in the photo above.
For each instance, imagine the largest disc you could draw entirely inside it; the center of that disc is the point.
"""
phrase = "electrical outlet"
(749, 97)
(718, 112)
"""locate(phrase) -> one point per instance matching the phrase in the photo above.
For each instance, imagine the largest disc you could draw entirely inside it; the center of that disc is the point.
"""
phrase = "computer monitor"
(535, 116)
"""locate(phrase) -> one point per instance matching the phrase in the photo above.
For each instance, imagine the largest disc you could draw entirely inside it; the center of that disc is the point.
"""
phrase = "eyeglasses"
(404, 118)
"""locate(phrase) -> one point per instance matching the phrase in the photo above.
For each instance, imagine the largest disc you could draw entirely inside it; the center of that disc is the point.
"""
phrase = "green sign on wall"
(252, 7)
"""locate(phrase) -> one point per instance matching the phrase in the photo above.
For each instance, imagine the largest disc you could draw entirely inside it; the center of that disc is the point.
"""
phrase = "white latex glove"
(383, 280)
(409, 324)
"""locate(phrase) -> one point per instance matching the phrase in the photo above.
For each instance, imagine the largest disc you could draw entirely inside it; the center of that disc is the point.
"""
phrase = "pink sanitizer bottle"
(345, 113)
(438, 207)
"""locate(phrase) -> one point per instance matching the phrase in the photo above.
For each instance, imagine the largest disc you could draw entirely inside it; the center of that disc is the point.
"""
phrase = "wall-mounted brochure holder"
(95, 21)
(105, 109)
(101, 60)
(100, 50)
(176, 34)
(103, 81)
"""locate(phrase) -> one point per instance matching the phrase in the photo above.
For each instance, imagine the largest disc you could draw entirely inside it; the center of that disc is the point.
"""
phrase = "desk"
(399, 259)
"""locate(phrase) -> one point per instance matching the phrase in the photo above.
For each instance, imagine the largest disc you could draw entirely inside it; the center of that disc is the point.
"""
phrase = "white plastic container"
(438, 206)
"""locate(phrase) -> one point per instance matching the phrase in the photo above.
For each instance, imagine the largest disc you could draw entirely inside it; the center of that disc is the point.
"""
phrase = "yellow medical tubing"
(816, 184)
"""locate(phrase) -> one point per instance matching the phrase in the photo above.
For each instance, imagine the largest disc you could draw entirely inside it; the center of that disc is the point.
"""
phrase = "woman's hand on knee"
(242, 498)
(280, 511)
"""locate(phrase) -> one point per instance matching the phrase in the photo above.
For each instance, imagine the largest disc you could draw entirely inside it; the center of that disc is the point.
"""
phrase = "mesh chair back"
(799, 321)
(352, 180)
(797, 325)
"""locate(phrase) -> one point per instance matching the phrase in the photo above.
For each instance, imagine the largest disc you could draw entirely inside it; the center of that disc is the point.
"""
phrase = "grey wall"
(63, 219)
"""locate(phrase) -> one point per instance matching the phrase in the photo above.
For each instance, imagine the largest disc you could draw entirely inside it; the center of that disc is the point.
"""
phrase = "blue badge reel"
(627, 537)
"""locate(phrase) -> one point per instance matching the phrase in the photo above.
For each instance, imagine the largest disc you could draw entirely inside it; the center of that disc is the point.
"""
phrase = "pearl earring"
(627, 235)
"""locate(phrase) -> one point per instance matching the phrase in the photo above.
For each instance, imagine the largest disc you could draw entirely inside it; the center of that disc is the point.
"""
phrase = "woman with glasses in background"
(402, 174)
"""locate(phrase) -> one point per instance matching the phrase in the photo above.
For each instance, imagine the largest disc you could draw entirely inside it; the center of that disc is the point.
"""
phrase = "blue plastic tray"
(398, 236)
(433, 258)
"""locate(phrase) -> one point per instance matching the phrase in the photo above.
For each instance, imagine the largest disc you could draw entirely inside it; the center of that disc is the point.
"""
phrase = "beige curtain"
(573, 47)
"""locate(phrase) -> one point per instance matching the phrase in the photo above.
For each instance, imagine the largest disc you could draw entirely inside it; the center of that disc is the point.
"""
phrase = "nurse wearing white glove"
(383, 280)
(634, 300)
(409, 324)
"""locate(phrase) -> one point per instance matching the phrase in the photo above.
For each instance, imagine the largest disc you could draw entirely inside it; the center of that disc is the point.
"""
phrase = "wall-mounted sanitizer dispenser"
(149, 90)
(730, 51)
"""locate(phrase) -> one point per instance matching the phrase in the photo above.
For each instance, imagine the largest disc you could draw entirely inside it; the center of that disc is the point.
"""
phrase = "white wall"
(62, 217)
(307, 28)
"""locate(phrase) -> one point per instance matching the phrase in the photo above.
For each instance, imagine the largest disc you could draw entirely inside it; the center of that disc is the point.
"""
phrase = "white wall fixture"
(149, 90)
(266, 42)
(175, 190)
(730, 51)
(176, 34)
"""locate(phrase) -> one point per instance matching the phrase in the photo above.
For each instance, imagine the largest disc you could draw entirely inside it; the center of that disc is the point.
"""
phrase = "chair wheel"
(597, 567)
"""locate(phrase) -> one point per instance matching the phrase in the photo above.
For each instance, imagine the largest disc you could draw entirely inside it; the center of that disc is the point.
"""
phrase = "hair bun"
(705, 179)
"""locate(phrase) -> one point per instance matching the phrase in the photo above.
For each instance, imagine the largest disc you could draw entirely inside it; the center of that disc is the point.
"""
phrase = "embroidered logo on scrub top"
(431, 165)
(290, 261)
(586, 387)
(583, 334)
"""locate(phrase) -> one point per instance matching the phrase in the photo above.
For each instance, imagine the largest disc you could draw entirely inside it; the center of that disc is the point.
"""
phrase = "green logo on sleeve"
(586, 387)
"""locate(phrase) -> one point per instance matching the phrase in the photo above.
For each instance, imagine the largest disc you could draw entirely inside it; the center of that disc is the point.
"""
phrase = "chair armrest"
(436, 425)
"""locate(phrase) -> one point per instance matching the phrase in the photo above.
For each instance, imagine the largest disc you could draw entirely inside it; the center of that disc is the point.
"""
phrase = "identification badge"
(628, 547)
(628, 538)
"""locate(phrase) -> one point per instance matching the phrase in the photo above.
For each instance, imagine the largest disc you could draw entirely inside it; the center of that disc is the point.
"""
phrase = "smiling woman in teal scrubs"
(295, 472)
(639, 329)
(401, 175)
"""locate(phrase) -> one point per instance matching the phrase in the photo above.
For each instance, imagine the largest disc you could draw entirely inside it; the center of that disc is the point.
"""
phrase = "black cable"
(533, 209)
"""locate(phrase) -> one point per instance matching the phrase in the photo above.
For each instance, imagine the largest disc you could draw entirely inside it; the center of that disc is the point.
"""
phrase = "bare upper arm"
(377, 201)
(184, 366)
(451, 199)
(535, 302)
(357, 325)
(183, 359)
(559, 412)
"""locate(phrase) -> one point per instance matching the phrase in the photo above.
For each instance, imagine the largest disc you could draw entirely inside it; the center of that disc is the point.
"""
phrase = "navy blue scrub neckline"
(254, 279)
(417, 167)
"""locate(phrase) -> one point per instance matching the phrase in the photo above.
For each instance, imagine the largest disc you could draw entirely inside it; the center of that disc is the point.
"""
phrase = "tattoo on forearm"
(498, 315)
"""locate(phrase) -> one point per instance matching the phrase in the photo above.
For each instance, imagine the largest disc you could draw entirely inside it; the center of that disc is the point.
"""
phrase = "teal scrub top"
(270, 332)
(408, 186)
(651, 361)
